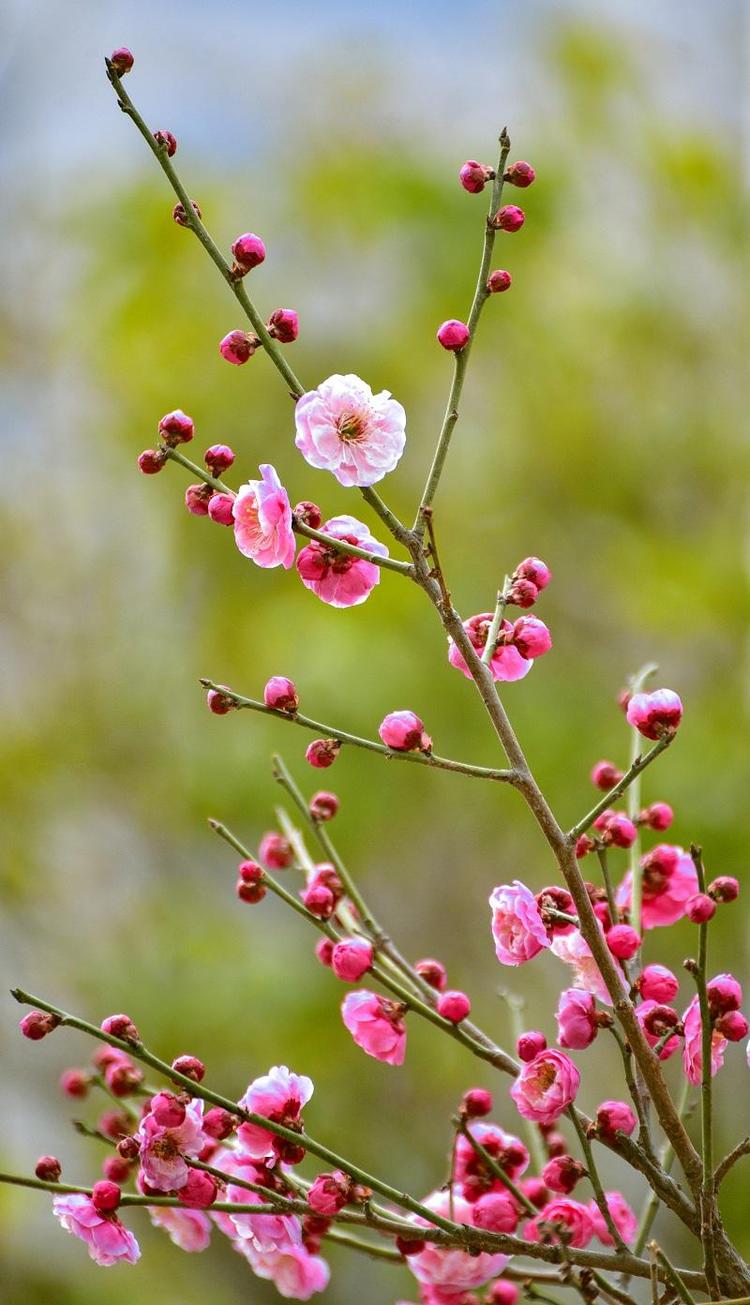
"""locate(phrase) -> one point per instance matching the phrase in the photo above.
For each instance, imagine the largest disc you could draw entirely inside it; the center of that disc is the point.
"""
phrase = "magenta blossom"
(669, 881)
(507, 662)
(577, 1024)
(108, 1240)
(692, 1052)
(338, 578)
(403, 731)
(507, 1150)
(188, 1229)
(344, 428)
(453, 1270)
(571, 1217)
(623, 1218)
(351, 958)
(653, 714)
(263, 521)
(376, 1024)
(278, 1095)
(546, 1086)
(517, 926)
(656, 1019)
(163, 1151)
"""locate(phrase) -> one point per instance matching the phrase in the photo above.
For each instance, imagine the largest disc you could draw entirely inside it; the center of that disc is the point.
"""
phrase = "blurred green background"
(600, 430)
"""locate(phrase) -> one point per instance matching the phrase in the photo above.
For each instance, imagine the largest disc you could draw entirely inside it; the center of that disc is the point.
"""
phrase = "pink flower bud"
(114, 1124)
(330, 1193)
(620, 830)
(324, 806)
(74, 1083)
(476, 1103)
(322, 753)
(562, 1173)
(433, 972)
(167, 1110)
(520, 174)
(219, 1123)
(128, 1148)
(281, 694)
(503, 1292)
(724, 889)
(546, 1086)
(577, 1024)
(115, 1169)
(453, 335)
(324, 951)
(276, 851)
(197, 498)
(509, 218)
(496, 1212)
(219, 703)
(613, 1117)
(250, 872)
(249, 252)
(657, 983)
(283, 325)
(453, 1005)
(351, 958)
(123, 1077)
(403, 731)
(498, 281)
(700, 909)
(654, 714)
(555, 1144)
(530, 1044)
(623, 941)
(176, 428)
(165, 140)
(724, 993)
(732, 1025)
(122, 60)
(658, 816)
(105, 1196)
(221, 509)
(180, 216)
(319, 901)
(48, 1168)
(535, 570)
(151, 461)
(218, 458)
(474, 176)
(199, 1192)
(309, 514)
(238, 346)
(604, 775)
(584, 845)
(191, 1067)
(531, 637)
(121, 1026)
(522, 593)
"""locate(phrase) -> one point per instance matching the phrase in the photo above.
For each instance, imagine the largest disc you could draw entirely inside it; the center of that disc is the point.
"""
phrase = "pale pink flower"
(188, 1229)
(576, 1019)
(263, 520)
(107, 1239)
(338, 578)
(546, 1086)
(507, 662)
(652, 714)
(295, 1273)
(692, 1052)
(451, 1270)
(570, 1216)
(623, 1218)
(278, 1095)
(344, 428)
(163, 1150)
(376, 1024)
(575, 951)
(267, 1232)
(517, 926)
(669, 880)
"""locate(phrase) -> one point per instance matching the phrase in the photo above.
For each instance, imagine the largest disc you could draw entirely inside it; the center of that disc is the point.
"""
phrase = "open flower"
(295, 1273)
(344, 428)
(163, 1150)
(517, 926)
(546, 1086)
(623, 1218)
(263, 520)
(376, 1024)
(571, 1217)
(188, 1229)
(453, 1271)
(692, 1052)
(577, 1025)
(574, 950)
(506, 663)
(338, 578)
(280, 1096)
(669, 880)
(107, 1239)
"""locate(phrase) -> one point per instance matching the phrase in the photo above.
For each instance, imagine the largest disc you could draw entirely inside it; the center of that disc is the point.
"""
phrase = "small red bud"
(120, 1026)
(105, 1196)
(509, 218)
(309, 514)
(453, 335)
(219, 703)
(324, 806)
(221, 509)
(433, 972)
(700, 908)
(249, 252)
(322, 753)
(37, 1024)
(122, 60)
(520, 174)
(498, 281)
(283, 325)
(165, 140)
(151, 461)
(477, 1103)
(48, 1168)
(453, 1005)
(218, 458)
(724, 889)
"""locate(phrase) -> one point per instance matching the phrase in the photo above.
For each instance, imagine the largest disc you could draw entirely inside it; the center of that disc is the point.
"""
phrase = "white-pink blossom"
(108, 1240)
(344, 428)
(280, 1096)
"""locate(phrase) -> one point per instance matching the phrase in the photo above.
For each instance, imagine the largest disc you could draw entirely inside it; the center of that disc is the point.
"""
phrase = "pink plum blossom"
(655, 1020)
(570, 1216)
(330, 1193)
(546, 1086)
(669, 881)
(376, 1024)
(507, 662)
(108, 1240)
(623, 1218)
(163, 1150)
(453, 1270)
(403, 731)
(295, 1273)
(344, 428)
(575, 951)
(652, 714)
(263, 520)
(188, 1229)
(279, 1096)
(351, 958)
(692, 1051)
(576, 1019)
(507, 1150)
(340, 579)
(517, 926)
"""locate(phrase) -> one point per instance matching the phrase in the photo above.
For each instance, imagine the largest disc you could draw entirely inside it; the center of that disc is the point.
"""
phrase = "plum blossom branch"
(636, 768)
(708, 1203)
(673, 1275)
(741, 1149)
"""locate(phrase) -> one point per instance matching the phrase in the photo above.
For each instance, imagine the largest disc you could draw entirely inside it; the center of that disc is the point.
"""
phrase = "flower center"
(351, 427)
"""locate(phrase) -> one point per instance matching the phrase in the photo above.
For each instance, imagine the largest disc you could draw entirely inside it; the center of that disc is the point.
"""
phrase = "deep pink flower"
(453, 335)
(295, 1273)
(562, 1173)
(496, 1212)
(249, 251)
(338, 578)
(330, 1193)
(199, 1191)
(546, 1086)
(652, 714)
(531, 637)
(403, 731)
(283, 325)
(669, 881)
(655, 1020)
(692, 1051)
(615, 1117)
(280, 1096)
(507, 1150)
(623, 1218)
(509, 218)
(163, 1150)
(507, 663)
(344, 428)
(376, 1024)
(571, 1216)
(474, 176)
(280, 693)
(188, 1229)
(452, 1270)
(263, 521)
(499, 280)
(351, 958)
(657, 983)
(576, 1019)
(517, 926)
(107, 1239)
(520, 174)
(575, 951)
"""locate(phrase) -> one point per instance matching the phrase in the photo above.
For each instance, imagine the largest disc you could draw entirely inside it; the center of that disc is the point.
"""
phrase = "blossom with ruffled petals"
(453, 1270)
(506, 663)
(344, 428)
(376, 1024)
(340, 579)
(263, 520)
(471, 1172)
(188, 1229)
(623, 1218)
(575, 951)
(656, 1019)
(295, 1273)
(571, 1217)
(108, 1240)
(669, 880)
(517, 926)
(546, 1086)
(279, 1096)
(163, 1150)
(692, 1051)
(576, 1019)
